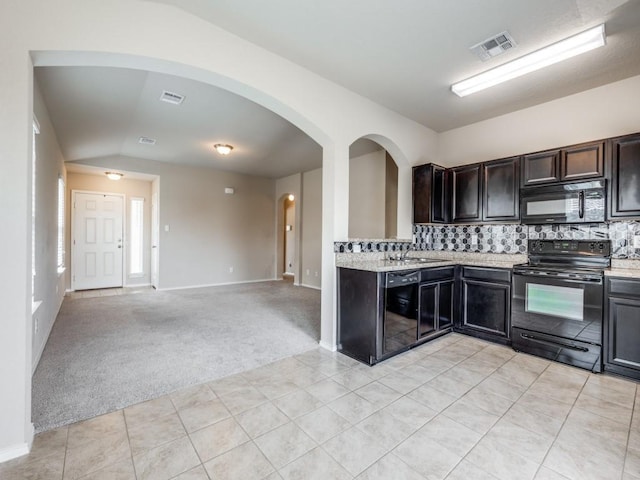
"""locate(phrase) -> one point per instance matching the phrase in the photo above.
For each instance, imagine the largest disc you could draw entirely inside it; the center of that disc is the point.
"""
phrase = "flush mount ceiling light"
(223, 149)
(114, 175)
(562, 50)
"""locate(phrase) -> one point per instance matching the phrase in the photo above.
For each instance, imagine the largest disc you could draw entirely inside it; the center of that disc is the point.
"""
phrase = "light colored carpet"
(110, 352)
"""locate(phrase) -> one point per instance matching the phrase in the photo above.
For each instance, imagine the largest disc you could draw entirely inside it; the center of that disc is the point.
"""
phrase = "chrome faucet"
(404, 253)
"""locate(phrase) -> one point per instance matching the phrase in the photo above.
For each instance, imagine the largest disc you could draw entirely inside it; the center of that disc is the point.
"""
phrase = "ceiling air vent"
(494, 46)
(147, 141)
(171, 97)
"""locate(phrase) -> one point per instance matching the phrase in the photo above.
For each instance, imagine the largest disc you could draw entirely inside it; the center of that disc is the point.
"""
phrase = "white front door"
(97, 242)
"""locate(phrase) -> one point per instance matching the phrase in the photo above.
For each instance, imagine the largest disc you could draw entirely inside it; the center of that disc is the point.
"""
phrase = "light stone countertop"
(624, 268)
(375, 262)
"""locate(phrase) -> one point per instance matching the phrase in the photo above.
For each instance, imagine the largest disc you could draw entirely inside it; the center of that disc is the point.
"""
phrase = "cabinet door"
(422, 194)
(624, 196)
(445, 304)
(623, 329)
(582, 161)
(501, 190)
(439, 196)
(467, 193)
(428, 309)
(539, 168)
(486, 307)
(430, 194)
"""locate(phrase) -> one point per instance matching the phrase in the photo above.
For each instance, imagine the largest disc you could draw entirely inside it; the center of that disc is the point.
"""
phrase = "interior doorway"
(289, 244)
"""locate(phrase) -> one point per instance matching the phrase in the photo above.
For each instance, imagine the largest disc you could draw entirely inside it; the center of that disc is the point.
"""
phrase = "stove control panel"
(570, 247)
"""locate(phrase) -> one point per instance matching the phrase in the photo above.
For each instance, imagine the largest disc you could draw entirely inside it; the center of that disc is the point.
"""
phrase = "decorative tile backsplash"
(371, 246)
(501, 238)
(513, 238)
(471, 238)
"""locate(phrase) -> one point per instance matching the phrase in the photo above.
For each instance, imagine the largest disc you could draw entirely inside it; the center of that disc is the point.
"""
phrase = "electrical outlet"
(474, 239)
(316, 274)
(230, 269)
(636, 241)
(308, 272)
(357, 248)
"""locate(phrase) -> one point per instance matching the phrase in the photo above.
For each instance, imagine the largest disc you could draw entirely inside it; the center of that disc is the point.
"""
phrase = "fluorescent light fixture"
(562, 50)
(223, 149)
(114, 175)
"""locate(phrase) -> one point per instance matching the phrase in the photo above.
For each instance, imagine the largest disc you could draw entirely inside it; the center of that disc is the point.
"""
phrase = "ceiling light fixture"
(223, 149)
(562, 50)
(114, 175)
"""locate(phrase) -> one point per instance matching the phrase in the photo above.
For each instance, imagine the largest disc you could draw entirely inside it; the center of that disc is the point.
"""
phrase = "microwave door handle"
(581, 205)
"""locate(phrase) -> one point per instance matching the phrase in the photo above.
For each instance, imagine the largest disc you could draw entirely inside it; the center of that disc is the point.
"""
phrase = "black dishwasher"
(400, 318)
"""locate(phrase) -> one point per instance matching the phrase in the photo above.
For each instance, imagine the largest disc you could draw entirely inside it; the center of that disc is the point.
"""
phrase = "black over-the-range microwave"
(582, 202)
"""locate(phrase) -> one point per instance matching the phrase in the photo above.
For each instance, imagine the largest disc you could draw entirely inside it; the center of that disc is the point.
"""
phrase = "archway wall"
(160, 38)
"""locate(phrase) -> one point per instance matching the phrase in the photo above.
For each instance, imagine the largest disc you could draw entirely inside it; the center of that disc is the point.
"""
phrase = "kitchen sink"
(414, 260)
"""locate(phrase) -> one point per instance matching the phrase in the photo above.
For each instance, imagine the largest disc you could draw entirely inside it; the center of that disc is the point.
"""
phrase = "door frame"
(154, 260)
(125, 248)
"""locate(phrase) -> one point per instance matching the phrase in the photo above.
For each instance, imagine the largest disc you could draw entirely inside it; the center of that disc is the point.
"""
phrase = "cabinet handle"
(581, 205)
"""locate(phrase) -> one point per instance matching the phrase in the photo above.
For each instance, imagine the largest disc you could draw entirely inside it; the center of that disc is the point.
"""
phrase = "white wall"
(391, 198)
(210, 232)
(130, 188)
(367, 188)
(311, 229)
(602, 112)
(49, 285)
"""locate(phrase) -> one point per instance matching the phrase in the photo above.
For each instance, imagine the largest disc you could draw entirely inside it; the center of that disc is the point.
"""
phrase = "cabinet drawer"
(441, 273)
(490, 274)
(619, 286)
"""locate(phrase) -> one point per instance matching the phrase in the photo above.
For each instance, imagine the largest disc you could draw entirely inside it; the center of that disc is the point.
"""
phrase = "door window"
(565, 302)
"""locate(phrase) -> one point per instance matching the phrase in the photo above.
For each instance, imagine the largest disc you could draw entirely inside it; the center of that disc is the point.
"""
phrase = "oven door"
(561, 307)
(559, 319)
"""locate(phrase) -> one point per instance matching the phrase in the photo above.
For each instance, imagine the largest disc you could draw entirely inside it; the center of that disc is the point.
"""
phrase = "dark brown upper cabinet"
(624, 171)
(501, 192)
(582, 161)
(430, 194)
(467, 193)
(538, 168)
(577, 162)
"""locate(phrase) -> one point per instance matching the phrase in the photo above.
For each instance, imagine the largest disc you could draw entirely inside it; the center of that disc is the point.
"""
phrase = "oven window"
(556, 301)
(552, 207)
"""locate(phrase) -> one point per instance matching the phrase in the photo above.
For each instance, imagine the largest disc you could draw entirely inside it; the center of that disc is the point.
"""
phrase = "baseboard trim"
(309, 286)
(20, 450)
(327, 346)
(217, 284)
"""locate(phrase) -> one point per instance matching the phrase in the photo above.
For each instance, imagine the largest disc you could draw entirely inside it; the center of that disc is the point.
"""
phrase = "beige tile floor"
(456, 408)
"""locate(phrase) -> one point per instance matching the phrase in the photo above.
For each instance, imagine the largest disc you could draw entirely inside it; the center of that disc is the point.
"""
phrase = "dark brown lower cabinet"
(436, 307)
(485, 303)
(622, 327)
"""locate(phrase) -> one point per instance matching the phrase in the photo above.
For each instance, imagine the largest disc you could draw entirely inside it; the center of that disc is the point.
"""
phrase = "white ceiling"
(100, 112)
(403, 55)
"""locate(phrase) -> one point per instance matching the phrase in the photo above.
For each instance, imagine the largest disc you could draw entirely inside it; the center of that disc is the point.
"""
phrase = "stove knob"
(601, 246)
(592, 246)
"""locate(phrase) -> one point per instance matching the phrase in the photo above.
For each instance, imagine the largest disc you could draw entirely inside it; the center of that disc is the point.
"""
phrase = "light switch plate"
(357, 248)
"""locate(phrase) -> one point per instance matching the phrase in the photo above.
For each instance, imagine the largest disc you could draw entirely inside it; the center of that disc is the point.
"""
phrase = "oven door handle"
(555, 344)
(561, 277)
